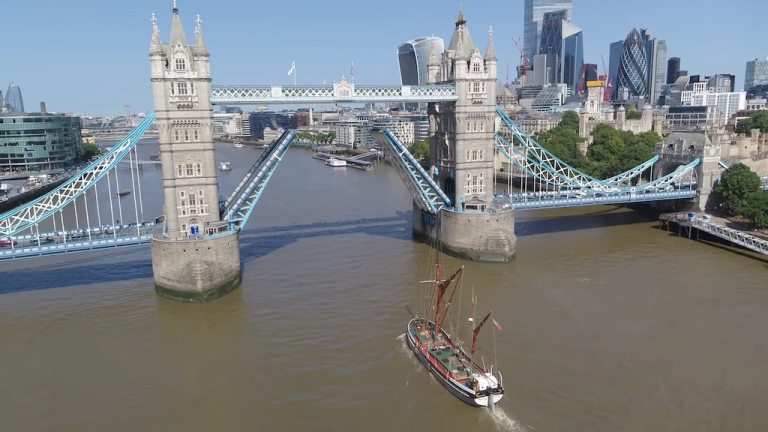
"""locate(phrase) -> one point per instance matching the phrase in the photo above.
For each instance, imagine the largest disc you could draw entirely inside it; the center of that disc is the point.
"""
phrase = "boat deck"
(445, 354)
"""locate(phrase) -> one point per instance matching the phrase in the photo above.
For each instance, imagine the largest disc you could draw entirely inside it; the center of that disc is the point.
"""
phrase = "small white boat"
(238, 144)
(336, 163)
(225, 166)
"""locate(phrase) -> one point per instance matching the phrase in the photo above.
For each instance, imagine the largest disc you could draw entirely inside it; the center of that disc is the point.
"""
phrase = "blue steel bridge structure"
(52, 225)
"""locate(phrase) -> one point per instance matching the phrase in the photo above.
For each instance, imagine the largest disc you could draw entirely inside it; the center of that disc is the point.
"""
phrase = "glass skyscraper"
(562, 43)
(533, 18)
(632, 80)
(413, 57)
(755, 74)
(13, 99)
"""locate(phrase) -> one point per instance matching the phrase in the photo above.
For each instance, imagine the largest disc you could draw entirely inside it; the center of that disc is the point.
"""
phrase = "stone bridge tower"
(462, 151)
(197, 258)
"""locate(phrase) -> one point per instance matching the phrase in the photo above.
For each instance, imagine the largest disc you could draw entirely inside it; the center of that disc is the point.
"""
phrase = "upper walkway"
(342, 92)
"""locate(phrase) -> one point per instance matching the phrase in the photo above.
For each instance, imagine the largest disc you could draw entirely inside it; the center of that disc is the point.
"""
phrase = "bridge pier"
(478, 236)
(196, 270)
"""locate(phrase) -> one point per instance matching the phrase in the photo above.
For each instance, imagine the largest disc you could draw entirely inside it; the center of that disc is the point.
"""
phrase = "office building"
(413, 57)
(533, 17)
(40, 141)
(13, 101)
(721, 83)
(673, 69)
(656, 49)
(614, 58)
(640, 68)
(755, 75)
(563, 47)
(632, 75)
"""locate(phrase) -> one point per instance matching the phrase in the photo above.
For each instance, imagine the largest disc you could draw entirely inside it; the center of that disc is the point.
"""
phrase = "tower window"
(181, 64)
(182, 88)
(476, 67)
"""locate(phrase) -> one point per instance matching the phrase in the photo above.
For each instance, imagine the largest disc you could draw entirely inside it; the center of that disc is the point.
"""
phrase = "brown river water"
(609, 324)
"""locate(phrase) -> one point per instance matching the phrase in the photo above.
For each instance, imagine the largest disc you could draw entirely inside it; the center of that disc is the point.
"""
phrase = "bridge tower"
(197, 258)
(462, 152)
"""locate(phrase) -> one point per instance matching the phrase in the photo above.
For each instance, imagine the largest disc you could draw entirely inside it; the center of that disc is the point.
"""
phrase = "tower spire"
(199, 41)
(490, 51)
(175, 8)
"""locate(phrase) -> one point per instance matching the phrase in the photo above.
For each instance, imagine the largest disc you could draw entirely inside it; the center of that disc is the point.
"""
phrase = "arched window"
(476, 67)
(181, 64)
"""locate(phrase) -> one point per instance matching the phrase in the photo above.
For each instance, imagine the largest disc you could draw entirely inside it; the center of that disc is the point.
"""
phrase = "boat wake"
(407, 351)
(504, 422)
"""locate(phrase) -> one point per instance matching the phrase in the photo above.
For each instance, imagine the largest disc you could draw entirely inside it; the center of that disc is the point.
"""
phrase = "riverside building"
(39, 141)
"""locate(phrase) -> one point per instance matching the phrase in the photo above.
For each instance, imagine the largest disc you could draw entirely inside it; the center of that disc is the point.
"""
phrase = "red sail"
(476, 331)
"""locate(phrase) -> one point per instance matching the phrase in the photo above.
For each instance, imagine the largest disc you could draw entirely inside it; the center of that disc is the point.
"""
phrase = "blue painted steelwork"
(341, 92)
(565, 199)
(549, 161)
(238, 207)
(427, 194)
(79, 241)
(30, 214)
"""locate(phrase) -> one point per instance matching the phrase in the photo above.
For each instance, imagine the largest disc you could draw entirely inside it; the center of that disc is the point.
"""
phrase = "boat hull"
(464, 394)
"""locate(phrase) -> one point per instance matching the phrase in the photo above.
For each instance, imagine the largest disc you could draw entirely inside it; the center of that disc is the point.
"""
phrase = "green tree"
(563, 140)
(89, 151)
(756, 120)
(757, 208)
(634, 114)
(419, 150)
(736, 188)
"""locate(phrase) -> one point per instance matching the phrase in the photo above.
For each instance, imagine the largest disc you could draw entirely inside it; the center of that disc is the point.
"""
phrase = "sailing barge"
(443, 356)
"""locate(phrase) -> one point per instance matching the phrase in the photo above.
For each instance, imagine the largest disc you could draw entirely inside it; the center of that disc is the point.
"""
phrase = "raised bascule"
(195, 245)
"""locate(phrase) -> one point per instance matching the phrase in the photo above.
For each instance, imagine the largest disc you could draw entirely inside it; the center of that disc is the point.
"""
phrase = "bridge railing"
(32, 213)
(426, 193)
(243, 200)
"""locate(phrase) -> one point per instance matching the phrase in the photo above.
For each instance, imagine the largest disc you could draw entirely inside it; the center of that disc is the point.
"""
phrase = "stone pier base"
(196, 270)
(476, 236)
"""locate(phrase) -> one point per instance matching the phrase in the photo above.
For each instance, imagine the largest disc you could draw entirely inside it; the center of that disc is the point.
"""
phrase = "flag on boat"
(292, 70)
(498, 326)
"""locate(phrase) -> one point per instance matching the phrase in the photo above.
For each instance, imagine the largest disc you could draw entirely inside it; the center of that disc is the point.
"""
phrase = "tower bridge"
(195, 245)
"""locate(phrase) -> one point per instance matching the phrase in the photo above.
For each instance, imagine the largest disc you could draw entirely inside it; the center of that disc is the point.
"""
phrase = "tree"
(89, 150)
(563, 140)
(757, 208)
(736, 188)
(634, 114)
(756, 120)
(419, 150)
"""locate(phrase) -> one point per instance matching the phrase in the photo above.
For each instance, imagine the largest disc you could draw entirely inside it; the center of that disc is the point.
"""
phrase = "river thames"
(608, 324)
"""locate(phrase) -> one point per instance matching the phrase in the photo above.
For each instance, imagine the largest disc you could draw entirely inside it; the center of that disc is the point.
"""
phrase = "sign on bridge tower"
(463, 131)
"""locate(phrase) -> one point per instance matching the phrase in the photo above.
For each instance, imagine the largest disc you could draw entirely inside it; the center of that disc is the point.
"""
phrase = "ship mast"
(476, 331)
(442, 286)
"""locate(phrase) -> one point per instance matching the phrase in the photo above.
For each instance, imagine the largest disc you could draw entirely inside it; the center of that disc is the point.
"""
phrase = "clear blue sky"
(89, 56)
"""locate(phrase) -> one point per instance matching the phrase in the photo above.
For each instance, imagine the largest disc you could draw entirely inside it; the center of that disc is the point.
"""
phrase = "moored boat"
(444, 357)
(225, 166)
(336, 163)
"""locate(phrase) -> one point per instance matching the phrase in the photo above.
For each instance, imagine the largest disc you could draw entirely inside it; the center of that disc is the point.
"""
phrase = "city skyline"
(103, 65)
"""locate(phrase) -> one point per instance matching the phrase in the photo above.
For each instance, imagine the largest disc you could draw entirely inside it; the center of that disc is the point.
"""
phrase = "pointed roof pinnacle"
(199, 42)
(155, 32)
(177, 29)
(460, 19)
(490, 51)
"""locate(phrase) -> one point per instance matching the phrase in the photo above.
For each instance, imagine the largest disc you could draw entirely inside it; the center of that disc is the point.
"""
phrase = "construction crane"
(608, 84)
(522, 70)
